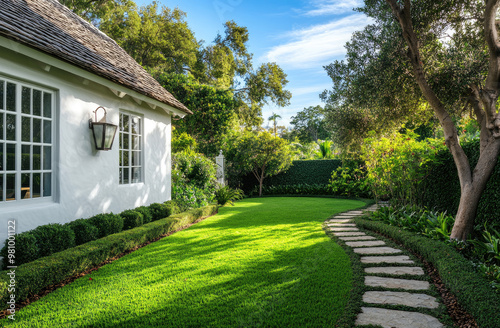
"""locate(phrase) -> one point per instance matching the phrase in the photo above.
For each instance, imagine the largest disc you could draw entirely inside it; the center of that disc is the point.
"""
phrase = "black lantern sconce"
(104, 133)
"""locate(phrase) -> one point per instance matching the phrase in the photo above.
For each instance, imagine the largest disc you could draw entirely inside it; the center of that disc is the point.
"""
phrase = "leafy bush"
(396, 165)
(33, 277)
(84, 231)
(52, 238)
(146, 213)
(226, 195)
(107, 223)
(158, 211)
(188, 196)
(299, 189)
(172, 206)
(132, 219)
(26, 249)
(350, 180)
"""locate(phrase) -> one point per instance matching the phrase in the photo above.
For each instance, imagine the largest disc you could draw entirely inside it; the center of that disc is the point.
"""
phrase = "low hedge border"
(458, 274)
(32, 277)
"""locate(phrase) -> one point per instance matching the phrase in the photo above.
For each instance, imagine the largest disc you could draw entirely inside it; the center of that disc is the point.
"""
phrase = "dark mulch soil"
(51, 288)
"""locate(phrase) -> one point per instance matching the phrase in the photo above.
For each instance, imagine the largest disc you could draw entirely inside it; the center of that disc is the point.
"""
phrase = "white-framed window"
(26, 141)
(131, 167)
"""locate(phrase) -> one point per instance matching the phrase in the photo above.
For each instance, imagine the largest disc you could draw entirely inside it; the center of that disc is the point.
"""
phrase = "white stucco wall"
(87, 181)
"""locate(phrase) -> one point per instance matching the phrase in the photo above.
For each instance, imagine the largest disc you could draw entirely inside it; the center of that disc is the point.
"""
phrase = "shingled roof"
(50, 27)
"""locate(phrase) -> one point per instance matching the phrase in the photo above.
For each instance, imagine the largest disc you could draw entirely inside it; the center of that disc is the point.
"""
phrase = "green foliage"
(26, 249)
(173, 207)
(84, 231)
(487, 248)
(396, 165)
(442, 187)
(158, 211)
(146, 213)
(260, 154)
(309, 124)
(32, 277)
(53, 238)
(459, 275)
(325, 149)
(183, 143)
(350, 180)
(432, 224)
(107, 223)
(227, 195)
(132, 219)
(296, 189)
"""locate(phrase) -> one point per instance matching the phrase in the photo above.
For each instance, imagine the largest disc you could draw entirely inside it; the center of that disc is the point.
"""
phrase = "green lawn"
(265, 262)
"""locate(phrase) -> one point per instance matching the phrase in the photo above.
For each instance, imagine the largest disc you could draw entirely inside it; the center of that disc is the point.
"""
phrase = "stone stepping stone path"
(375, 252)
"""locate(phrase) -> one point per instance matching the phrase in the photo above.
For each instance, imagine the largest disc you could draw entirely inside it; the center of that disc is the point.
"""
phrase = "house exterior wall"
(86, 181)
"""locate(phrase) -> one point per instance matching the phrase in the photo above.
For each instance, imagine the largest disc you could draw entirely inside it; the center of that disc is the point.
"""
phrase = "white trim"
(52, 61)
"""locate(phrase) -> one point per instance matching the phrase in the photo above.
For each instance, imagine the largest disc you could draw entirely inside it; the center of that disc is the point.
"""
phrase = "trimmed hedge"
(84, 231)
(146, 213)
(26, 249)
(107, 223)
(458, 274)
(132, 219)
(310, 172)
(53, 238)
(442, 187)
(32, 277)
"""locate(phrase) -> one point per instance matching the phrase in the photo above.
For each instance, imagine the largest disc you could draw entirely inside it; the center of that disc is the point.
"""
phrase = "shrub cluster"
(34, 276)
(350, 180)
(298, 189)
(52, 238)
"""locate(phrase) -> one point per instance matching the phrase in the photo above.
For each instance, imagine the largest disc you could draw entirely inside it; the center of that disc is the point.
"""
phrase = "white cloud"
(332, 7)
(317, 45)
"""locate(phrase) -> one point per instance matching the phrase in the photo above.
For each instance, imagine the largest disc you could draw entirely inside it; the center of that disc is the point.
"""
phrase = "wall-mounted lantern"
(104, 133)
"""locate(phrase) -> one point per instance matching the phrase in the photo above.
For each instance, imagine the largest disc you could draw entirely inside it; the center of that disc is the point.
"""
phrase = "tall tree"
(439, 56)
(309, 124)
(274, 118)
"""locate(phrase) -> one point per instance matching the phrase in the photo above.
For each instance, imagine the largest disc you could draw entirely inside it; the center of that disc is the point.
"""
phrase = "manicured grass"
(264, 262)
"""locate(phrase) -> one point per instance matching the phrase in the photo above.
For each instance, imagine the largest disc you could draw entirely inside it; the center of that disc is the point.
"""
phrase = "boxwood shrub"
(52, 238)
(32, 277)
(26, 249)
(132, 219)
(146, 213)
(84, 231)
(107, 224)
(458, 274)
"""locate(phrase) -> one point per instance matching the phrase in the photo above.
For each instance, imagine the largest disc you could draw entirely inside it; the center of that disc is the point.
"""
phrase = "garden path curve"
(374, 253)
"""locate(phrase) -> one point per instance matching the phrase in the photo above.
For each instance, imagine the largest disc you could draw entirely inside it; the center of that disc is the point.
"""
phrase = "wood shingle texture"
(52, 28)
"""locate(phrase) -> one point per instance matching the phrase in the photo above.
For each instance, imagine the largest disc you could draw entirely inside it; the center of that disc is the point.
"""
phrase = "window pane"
(136, 158)
(25, 185)
(1, 187)
(11, 97)
(2, 86)
(124, 123)
(11, 157)
(37, 157)
(26, 129)
(11, 127)
(47, 158)
(121, 175)
(1, 157)
(11, 185)
(126, 178)
(1, 126)
(35, 192)
(121, 158)
(136, 142)
(136, 125)
(47, 131)
(47, 105)
(126, 141)
(26, 100)
(25, 157)
(125, 158)
(136, 174)
(37, 130)
(47, 184)
(37, 102)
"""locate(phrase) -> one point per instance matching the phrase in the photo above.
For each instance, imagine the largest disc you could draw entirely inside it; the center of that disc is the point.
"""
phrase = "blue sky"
(301, 36)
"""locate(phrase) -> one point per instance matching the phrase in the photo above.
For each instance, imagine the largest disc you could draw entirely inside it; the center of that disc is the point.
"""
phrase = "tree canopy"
(309, 124)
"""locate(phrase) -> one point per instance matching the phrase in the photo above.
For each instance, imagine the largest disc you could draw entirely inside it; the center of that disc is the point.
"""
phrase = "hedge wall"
(310, 172)
(442, 187)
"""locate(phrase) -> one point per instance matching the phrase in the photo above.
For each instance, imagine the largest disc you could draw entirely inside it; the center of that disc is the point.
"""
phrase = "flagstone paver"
(401, 298)
(396, 319)
(417, 271)
(367, 245)
(357, 238)
(376, 250)
(393, 283)
(403, 259)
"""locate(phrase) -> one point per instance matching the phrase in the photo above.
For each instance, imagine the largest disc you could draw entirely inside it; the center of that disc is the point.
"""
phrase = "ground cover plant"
(263, 262)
